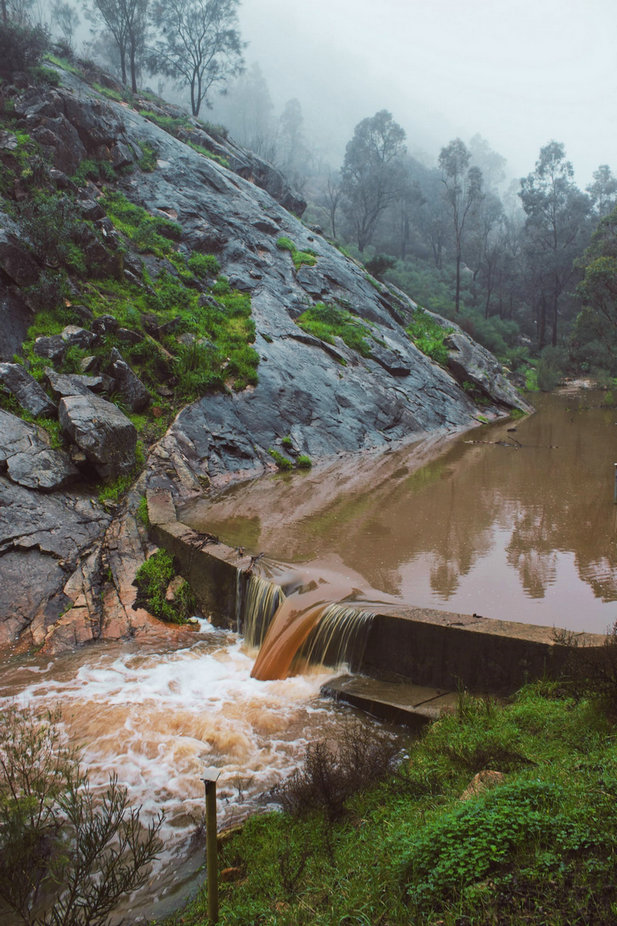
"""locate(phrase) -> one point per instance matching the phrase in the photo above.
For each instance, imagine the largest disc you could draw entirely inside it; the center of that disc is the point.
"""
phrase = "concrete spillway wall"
(425, 646)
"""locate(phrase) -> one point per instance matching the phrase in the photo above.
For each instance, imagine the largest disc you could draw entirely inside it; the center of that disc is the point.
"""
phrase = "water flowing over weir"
(299, 630)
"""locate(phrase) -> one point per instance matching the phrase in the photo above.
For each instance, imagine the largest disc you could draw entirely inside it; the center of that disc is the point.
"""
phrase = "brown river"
(513, 520)
(519, 525)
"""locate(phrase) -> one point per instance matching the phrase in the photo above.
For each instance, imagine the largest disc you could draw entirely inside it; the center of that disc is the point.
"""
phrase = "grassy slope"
(540, 847)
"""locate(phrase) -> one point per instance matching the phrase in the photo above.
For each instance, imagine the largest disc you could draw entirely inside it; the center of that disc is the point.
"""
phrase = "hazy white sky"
(519, 72)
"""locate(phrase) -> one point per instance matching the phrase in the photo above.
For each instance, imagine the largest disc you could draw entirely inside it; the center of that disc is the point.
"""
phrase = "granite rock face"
(80, 561)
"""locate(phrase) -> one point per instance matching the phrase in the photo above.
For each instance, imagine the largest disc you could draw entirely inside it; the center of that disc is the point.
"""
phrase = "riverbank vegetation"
(498, 814)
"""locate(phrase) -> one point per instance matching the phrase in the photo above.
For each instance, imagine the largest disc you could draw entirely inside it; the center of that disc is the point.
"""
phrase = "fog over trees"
(523, 263)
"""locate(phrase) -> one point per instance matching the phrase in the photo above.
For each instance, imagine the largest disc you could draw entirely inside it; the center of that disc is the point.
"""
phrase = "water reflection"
(519, 526)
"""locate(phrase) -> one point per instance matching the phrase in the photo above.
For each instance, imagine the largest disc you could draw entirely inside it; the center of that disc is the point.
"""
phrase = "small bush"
(330, 775)
(380, 264)
(203, 265)
(66, 855)
(148, 159)
(304, 462)
(298, 257)
(152, 581)
(281, 461)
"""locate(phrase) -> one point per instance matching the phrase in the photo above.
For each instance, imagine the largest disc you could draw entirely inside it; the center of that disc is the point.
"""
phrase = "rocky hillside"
(165, 320)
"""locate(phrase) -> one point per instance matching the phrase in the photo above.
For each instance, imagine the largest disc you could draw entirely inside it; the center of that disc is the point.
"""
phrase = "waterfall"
(257, 601)
(340, 636)
(308, 631)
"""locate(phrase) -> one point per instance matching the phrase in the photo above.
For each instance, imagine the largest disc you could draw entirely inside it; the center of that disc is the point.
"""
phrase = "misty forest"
(308, 564)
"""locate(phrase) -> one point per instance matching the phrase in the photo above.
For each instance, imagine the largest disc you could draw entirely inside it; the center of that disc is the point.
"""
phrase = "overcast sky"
(519, 72)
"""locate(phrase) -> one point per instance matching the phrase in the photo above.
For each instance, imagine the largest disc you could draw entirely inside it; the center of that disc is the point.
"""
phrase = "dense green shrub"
(281, 461)
(152, 580)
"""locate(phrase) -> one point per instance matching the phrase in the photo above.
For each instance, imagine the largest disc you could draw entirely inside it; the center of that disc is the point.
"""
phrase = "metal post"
(210, 778)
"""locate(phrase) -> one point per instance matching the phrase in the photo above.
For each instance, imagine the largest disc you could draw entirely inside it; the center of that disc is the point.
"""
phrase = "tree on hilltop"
(462, 191)
(127, 23)
(199, 45)
(372, 173)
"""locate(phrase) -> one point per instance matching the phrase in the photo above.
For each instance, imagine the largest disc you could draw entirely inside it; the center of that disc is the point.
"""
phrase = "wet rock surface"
(102, 431)
(28, 459)
(329, 398)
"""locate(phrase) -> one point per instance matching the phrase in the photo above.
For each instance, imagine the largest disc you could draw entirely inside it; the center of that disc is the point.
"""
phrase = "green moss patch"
(298, 257)
(326, 322)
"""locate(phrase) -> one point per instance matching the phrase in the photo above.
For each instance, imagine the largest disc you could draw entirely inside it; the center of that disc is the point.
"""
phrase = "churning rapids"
(157, 715)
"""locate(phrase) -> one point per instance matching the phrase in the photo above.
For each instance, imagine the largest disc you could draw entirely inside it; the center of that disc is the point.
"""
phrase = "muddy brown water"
(514, 520)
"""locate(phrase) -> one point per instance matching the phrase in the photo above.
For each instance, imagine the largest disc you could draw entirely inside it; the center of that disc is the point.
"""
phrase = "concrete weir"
(438, 650)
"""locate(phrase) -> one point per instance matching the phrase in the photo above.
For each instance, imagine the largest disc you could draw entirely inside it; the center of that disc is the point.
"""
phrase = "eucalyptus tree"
(372, 173)
(127, 23)
(199, 45)
(603, 190)
(462, 191)
(556, 231)
(66, 18)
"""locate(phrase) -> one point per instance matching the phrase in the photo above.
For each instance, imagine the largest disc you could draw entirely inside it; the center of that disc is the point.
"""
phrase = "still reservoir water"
(514, 521)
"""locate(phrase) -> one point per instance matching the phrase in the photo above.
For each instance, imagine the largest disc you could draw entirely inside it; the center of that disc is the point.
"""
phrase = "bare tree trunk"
(457, 298)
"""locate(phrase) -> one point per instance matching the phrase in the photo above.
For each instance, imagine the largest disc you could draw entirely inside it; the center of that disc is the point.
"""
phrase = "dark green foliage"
(326, 322)
(54, 227)
(298, 257)
(21, 47)
(429, 336)
(203, 265)
(46, 75)
(152, 580)
(551, 368)
(148, 158)
(93, 170)
(142, 512)
(522, 821)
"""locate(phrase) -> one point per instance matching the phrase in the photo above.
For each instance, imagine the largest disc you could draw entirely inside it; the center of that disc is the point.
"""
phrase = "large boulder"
(127, 383)
(26, 390)
(28, 459)
(469, 362)
(102, 431)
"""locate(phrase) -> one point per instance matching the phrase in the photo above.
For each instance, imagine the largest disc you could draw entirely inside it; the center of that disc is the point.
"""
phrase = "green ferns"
(329, 321)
